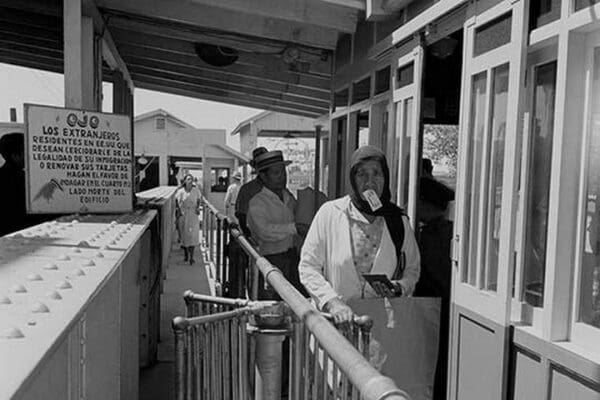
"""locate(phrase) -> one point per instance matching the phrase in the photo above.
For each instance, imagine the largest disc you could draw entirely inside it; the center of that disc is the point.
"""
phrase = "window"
(361, 90)
(495, 176)
(160, 123)
(401, 151)
(537, 185)
(543, 12)
(589, 282)
(219, 179)
(484, 180)
(492, 35)
(382, 80)
(362, 137)
(476, 132)
(340, 100)
(405, 75)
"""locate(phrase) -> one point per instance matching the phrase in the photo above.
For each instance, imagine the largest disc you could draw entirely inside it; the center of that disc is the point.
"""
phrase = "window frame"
(583, 334)
(521, 311)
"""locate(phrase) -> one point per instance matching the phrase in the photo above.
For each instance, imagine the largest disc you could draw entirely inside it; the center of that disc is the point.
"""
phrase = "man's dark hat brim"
(269, 159)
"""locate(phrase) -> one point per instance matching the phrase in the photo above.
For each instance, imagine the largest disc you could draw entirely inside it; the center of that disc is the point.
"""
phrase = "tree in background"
(440, 144)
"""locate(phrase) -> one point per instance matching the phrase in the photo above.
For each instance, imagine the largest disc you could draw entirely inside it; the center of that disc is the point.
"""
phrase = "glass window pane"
(495, 175)
(406, 138)
(492, 35)
(473, 181)
(362, 125)
(589, 295)
(405, 75)
(538, 190)
(395, 151)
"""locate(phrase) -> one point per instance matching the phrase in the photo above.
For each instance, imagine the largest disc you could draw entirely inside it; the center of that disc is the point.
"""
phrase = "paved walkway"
(157, 382)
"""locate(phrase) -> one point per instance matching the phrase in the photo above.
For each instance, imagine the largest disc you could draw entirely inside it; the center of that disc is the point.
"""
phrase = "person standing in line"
(12, 179)
(271, 221)
(436, 265)
(238, 273)
(361, 233)
(247, 192)
(188, 205)
(231, 197)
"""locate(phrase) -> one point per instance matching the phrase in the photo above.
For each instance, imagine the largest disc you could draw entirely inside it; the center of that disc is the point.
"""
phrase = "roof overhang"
(284, 47)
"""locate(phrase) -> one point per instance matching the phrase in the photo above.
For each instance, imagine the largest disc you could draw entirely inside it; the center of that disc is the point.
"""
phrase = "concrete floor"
(157, 382)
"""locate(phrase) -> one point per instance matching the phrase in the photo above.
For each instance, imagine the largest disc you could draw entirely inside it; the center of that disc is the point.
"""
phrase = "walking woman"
(188, 208)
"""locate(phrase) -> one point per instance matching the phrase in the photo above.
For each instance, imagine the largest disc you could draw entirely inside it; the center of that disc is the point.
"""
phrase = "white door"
(404, 143)
(483, 252)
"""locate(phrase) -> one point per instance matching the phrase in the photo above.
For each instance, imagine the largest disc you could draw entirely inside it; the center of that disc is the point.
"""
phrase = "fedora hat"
(237, 176)
(269, 159)
(255, 153)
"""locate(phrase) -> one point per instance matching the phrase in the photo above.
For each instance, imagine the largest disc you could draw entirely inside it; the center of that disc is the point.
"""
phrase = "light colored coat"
(327, 267)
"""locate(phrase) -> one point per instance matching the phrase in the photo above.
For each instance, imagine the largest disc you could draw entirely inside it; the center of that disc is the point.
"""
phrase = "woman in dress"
(188, 208)
(361, 233)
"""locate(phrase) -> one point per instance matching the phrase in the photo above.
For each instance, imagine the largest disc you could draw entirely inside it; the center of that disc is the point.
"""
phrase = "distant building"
(166, 148)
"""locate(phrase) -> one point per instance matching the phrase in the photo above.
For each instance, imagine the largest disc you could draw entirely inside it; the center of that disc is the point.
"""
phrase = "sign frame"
(126, 133)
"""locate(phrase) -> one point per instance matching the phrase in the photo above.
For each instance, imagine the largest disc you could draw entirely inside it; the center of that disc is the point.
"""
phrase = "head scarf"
(391, 213)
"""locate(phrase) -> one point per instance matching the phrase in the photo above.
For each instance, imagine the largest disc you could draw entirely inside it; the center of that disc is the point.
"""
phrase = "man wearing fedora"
(248, 191)
(272, 223)
(238, 260)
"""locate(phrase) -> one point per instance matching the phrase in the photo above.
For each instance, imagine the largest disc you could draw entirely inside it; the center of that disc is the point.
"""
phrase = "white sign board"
(77, 161)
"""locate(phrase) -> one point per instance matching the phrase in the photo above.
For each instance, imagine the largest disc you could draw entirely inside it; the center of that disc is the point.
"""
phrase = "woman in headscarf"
(187, 200)
(361, 233)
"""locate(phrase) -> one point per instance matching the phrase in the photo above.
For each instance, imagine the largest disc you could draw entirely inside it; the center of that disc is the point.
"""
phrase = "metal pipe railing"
(211, 355)
(320, 354)
(371, 384)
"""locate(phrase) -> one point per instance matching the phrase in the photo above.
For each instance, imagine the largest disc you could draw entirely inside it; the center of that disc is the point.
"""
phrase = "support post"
(80, 62)
(316, 184)
(269, 335)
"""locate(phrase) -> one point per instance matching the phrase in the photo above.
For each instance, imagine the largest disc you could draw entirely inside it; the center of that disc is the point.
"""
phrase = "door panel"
(406, 158)
(493, 69)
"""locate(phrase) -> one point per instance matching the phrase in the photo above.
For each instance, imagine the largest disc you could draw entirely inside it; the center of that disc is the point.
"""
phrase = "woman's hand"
(340, 311)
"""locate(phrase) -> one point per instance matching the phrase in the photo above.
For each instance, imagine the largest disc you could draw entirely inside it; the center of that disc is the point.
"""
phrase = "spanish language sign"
(77, 161)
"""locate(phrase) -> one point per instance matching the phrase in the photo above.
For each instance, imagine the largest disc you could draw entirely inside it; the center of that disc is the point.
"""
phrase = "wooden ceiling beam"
(311, 12)
(230, 87)
(110, 53)
(184, 46)
(215, 18)
(320, 60)
(217, 76)
(22, 48)
(29, 61)
(224, 95)
(182, 91)
(30, 39)
(30, 19)
(267, 73)
(44, 7)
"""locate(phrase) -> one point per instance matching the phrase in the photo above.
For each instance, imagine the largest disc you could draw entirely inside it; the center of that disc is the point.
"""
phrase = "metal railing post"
(296, 358)
(179, 326)
(218, 255)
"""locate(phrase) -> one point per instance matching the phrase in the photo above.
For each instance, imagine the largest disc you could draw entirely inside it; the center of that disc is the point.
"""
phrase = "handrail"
(370, 382)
